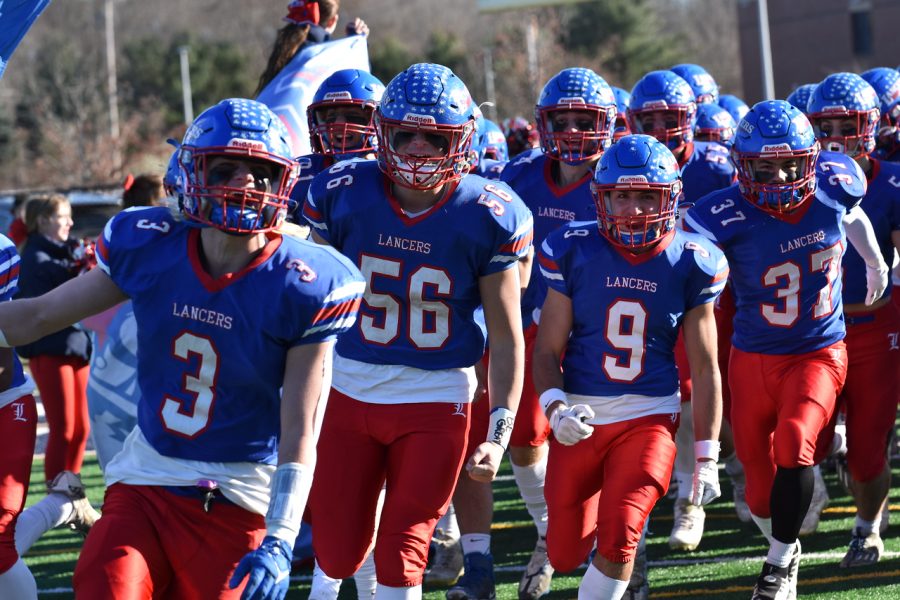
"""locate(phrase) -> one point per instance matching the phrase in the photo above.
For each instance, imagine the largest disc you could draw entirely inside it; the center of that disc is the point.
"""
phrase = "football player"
(799, 98)
(575, 115)
(886, 83)
(623, 99)
(782, 229)
(714, 124)
(434, 244)
(235, 326)
(844, 112)
(604, 362)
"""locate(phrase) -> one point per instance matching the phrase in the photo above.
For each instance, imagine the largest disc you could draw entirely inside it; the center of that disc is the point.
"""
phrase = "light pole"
(111, 85)
(186, 96)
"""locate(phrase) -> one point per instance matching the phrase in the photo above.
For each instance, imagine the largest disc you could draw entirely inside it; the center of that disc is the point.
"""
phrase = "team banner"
(16, 17)
(293, 88)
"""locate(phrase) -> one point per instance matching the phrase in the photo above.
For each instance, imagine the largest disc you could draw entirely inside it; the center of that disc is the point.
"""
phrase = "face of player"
(421, 144)
(56, 227)
(657, 120)
(241, 173)
(634, 203)
(776, 171)
(344, 137)
(832, 127)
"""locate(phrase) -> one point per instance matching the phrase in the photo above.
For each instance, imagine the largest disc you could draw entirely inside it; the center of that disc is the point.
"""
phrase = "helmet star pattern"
(845, 96)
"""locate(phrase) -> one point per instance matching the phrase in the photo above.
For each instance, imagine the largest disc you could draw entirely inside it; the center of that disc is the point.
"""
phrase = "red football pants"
(603, 488)
(62, 382)
(780, 405)
(417, 449)
(873, 386)
(152, 543)
(18, 428)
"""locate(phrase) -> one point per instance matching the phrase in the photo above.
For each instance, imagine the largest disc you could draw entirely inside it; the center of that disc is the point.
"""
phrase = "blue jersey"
(489, 168)
(421, 272)
(785, 272)
(9, 281)
(707, 169)
(309, 166)
(627, 308)
(529, 175)
(211, 352)
(882, 205)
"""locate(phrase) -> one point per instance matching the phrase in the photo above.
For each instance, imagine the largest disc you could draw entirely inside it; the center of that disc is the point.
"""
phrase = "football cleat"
(477, 583)
(864, 550)
(794, 571)
(538, 573)
(688, 528)
(447, 565)
(83, 514)
(778, 583)
(818, 503)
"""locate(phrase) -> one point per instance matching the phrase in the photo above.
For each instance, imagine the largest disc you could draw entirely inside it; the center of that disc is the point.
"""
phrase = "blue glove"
(269, 567)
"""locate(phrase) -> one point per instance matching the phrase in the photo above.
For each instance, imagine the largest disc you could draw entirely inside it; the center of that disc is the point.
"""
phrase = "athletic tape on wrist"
(500, 426)
(707, 449)
(290, 490)
(550, 396)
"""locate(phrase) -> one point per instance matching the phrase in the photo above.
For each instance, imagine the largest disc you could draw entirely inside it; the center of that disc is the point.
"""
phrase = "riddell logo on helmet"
(631, 179)
(248, 144)
(571, 101)
(776, 147)
(655, 104)
(414, 118)
(338, 96)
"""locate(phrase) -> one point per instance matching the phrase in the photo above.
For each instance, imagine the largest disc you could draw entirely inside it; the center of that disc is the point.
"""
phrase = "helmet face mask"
(663, 106)
(236, 134)
(886, 83)
(429, 109)
(340, 115)
(843, 110)
(636, 188)
(775, 138)
(714, 124)
(575, 116)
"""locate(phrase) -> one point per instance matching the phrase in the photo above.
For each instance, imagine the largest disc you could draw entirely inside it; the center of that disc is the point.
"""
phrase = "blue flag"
(293, 88)
(16, 17)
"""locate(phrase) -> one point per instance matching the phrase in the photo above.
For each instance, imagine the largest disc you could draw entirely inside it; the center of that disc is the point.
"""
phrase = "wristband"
(707, 449)
(550, 396)
(290, 490)
(3, 342)
(500, 426)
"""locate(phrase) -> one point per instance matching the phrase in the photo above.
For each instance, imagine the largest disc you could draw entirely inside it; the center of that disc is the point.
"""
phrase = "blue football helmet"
(493, 142)
(355, 135)
(705, 88)
(736, 107)
(582, 91)
(430, 100)
(887, 85)
(663, 105)
(637, 163)
(800, 96)
(714, 124)
(173, 178)
(848, 99)
(231, 132)
(623, 99)
(775, 130)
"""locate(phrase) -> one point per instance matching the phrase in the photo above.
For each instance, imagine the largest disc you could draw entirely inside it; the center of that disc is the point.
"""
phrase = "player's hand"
(568, 423)
(485, 462)
(876, 282)
(706, 483)
(269, 567)
(357, 27)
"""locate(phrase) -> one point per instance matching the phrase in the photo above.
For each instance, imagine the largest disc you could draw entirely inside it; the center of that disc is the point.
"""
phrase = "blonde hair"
(42, 206)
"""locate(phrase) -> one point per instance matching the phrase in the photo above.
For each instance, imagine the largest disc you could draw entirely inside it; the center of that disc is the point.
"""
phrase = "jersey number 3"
(199, 384)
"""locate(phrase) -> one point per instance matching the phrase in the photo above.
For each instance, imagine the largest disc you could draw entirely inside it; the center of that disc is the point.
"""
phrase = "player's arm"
(524, 265)
(862, 236)
(6, 368)
(29, 319)
(699, 329)
(268, 567)
(500, 294)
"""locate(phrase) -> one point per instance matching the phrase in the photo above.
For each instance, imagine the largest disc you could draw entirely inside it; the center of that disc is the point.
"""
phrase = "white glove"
(876, 281)
(706, 483)
(568, 423)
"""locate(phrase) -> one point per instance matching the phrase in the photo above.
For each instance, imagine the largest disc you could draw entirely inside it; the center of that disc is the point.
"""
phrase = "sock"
(18, 582)
(780, 553)
(765, 526)
(792, 492)
(384, 592)
(448, 523)
(365, 578)
(52, 511)
(324, 587)
(595, 584)
(733, 467)
(475, 542)
(866, 527)
(685, 483)
(530, 480)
